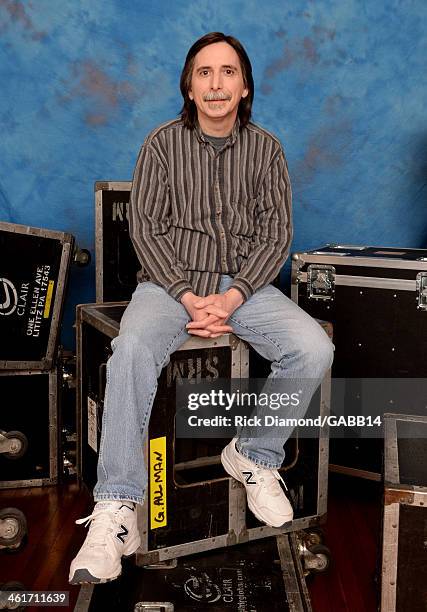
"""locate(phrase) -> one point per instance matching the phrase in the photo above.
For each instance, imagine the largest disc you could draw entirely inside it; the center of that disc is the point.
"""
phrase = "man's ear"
(245, 93)
(190, 94)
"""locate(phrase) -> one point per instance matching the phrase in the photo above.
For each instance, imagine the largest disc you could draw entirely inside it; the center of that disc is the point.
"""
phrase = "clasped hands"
(209, 314)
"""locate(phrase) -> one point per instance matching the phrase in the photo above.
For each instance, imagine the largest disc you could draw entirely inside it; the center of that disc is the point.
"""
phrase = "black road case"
(29, 422)
(263, 576)
(116, 261)
(376, 299)
(204, 508)
(33, 275)
(404, 549)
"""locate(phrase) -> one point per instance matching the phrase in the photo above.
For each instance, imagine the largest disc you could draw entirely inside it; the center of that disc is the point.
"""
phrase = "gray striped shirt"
(197, 212)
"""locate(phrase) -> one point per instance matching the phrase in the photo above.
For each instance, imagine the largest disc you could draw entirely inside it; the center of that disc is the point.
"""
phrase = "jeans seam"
(258, 462)
(104, 429)
(272, 375)
(255, 331)
(162, 362)
(169, 345)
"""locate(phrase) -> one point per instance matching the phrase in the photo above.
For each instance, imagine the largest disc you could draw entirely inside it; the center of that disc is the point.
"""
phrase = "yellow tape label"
(158, 517)
(48, 299)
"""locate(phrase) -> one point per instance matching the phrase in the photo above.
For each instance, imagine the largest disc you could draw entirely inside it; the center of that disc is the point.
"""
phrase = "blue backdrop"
(341, 82)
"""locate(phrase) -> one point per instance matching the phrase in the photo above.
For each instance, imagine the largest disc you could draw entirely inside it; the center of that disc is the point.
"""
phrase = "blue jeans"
(152, 328)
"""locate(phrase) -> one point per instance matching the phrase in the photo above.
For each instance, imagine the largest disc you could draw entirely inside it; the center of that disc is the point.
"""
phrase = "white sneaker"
(266, 499)
(113, 533)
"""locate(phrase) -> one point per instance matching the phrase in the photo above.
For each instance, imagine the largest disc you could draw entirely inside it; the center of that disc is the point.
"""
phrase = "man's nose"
(216, 80)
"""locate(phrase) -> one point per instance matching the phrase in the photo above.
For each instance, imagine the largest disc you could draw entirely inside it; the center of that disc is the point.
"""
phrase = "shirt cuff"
(178, 288)
(243, 286)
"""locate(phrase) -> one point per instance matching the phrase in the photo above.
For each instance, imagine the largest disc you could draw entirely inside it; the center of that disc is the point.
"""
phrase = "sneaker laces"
(101, 527)
(269, 479)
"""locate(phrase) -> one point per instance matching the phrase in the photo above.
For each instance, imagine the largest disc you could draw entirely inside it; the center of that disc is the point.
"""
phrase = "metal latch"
(321, 282)
(154, 606)
(422, 290)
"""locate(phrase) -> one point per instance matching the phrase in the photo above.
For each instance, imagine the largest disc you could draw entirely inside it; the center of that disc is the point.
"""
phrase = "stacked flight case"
(34, 271)
(404, 543)
(202, 510)
(201, 507)
(376, 299)
(263, 576)
(116, 261)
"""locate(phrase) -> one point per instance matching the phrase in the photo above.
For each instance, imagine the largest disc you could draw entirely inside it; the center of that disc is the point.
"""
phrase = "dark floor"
(352, 533)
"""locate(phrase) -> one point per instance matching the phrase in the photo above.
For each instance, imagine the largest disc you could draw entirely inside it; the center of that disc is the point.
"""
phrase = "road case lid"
(262, 576)
(106, 318)
(376, 252)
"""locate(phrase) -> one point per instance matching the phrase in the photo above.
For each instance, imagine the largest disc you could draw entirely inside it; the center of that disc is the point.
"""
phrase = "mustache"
(209, 97)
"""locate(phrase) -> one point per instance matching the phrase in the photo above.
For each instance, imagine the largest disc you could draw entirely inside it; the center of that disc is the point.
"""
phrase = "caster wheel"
(19, 444)
(313, 536)
(5, 604)
(13, 529)
(318, 560)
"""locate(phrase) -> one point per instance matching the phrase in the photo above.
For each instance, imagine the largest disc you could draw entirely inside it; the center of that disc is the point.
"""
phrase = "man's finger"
(225, 329)
(199, 332)
(218, 311)
(202, 323)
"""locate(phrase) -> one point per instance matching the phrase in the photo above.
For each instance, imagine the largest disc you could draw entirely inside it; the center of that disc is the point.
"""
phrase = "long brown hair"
(188, 112)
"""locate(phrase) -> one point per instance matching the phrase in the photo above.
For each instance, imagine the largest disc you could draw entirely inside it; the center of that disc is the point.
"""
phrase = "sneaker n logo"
(248, 476)
(122, 534)
(130, 507)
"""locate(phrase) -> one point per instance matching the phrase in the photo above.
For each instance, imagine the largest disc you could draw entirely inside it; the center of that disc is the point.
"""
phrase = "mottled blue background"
(341, 82)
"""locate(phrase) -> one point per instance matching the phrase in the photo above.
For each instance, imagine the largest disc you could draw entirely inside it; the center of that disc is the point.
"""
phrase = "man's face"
(217, 82)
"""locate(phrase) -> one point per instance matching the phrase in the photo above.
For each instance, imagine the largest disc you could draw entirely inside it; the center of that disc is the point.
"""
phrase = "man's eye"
(229, 71)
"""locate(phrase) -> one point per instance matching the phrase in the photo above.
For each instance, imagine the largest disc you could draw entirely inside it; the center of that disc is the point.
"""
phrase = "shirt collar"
(232, 137)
